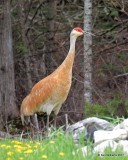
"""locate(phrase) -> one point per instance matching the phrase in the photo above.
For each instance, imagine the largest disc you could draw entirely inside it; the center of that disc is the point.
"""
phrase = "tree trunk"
(7, 81)
(88, 52)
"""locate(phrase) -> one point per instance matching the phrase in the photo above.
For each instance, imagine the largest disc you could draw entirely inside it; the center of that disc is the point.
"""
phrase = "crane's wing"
(38, 95)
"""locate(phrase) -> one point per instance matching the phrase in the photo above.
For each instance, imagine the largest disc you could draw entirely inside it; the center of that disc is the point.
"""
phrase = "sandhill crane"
(51, 92)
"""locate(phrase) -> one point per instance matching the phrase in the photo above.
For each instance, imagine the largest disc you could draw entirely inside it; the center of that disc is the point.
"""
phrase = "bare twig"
(28, 11)
(121, 75)
(112, 28)
(66, 121)
(33, 18)
(112, 47)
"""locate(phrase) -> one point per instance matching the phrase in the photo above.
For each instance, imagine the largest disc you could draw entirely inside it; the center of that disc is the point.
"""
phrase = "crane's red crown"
(78, 29)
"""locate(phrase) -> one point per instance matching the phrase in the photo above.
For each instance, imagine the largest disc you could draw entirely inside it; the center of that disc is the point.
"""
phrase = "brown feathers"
(50, 93)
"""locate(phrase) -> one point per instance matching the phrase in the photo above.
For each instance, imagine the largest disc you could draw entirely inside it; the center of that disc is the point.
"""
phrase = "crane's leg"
(47, 125)
(56, 111)
(55, 121)
(35, 122)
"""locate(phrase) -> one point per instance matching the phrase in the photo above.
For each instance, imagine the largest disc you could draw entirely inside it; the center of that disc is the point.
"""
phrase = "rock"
(88, 126)
(93, 124)
(98, 122)
(77, 127)
(100, 148)
(124, 145)
(123, 125)
(81, 124)
(101, 135)
(90, 129)
(76, 130)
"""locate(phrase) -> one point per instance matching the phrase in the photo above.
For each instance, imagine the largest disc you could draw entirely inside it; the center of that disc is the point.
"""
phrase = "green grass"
(59, 146)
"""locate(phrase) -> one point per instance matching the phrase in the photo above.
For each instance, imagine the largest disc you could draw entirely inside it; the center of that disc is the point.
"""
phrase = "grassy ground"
(59, 146)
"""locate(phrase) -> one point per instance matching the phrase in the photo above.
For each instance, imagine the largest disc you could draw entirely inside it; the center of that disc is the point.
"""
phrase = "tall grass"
(59, 146)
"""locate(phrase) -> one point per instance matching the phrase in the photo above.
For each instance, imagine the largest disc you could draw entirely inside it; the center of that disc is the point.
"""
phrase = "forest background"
(39, 31)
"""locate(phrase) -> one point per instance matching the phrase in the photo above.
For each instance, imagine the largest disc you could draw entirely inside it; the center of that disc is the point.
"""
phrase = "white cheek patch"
(77, 33)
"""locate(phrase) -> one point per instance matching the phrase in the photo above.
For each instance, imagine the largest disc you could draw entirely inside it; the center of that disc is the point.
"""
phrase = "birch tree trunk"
(88, 51)
(7, 81)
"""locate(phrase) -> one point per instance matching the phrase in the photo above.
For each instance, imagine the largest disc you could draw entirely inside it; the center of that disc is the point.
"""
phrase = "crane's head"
(77, 32)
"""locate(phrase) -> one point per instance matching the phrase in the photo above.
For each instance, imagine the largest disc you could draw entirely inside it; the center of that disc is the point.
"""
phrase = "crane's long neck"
(72, 44)
(68, 62)
(65, 69)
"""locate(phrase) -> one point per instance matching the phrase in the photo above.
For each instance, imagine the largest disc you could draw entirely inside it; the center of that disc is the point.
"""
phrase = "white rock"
(123, 125)
(101, 135)
(76, 126)
(102, 146)
(101, 122)
(82, 127)
(124, 145)
(81, 124)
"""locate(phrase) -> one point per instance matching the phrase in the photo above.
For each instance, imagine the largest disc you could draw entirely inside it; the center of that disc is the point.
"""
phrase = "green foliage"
(112, 105)
(95, 110)
(114, 12)
(126, 103)
(121, 56)
(108, 154)
(111, 11)
(59, 146)
(114, 121)
(106, 110)
(82, 139)
(110, 67)
(21, 48)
